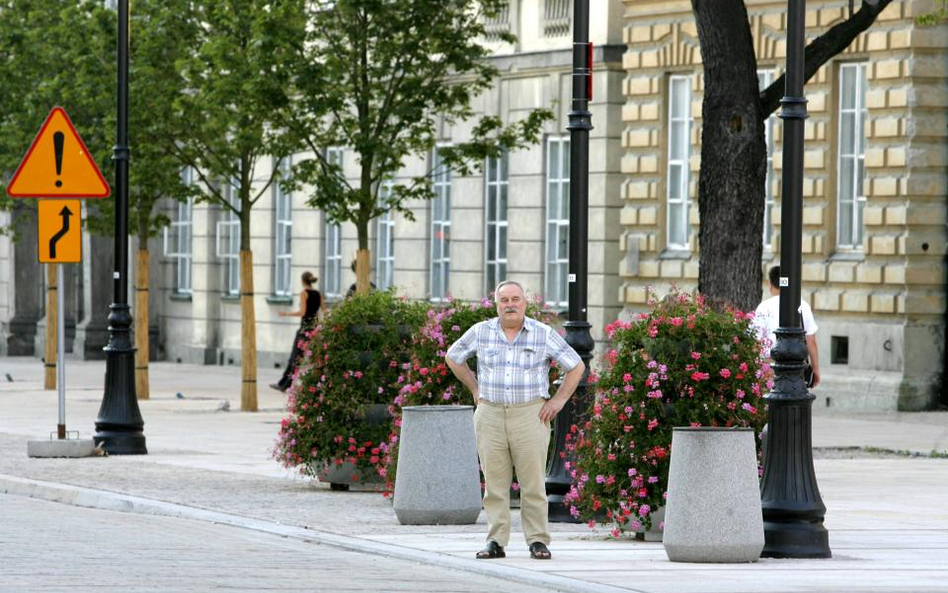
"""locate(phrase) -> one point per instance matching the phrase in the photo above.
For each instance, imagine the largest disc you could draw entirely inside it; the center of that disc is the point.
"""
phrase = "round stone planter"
(437, 481)
(713, 511)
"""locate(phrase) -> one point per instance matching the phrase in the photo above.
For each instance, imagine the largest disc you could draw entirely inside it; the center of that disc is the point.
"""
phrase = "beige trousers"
(507, 437)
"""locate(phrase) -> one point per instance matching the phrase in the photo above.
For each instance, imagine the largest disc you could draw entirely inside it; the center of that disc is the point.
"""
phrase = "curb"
(113, 501)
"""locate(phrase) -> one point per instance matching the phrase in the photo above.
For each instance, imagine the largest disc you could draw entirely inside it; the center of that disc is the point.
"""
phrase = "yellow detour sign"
(60, 231)
(58, 165)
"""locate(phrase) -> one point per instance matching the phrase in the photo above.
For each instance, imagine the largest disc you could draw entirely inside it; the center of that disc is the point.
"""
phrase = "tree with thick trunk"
(733, 156)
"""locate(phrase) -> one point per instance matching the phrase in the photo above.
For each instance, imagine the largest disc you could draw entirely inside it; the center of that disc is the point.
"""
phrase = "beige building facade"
(875, 185)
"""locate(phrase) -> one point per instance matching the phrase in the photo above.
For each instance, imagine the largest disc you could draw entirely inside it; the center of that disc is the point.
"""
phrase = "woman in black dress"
(311, 303)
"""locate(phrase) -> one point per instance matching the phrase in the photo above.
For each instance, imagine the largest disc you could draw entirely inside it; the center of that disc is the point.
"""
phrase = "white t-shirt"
(767, 319)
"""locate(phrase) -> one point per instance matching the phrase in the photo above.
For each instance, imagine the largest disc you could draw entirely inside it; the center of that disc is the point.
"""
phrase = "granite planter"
(437, 481)
(713, 511)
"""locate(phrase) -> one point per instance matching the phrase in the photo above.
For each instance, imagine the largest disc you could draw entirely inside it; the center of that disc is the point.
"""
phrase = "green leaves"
(385, 78)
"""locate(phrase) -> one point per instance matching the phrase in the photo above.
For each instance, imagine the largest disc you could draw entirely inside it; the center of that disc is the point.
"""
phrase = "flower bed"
(351, 365)
(682, 364)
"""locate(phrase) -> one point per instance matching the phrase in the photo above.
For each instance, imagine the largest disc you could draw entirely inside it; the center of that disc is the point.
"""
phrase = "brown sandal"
(539, 551)
(491, 550)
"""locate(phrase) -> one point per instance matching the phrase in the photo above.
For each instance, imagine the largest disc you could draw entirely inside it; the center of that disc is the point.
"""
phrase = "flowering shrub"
(350, 363)
(682, 364)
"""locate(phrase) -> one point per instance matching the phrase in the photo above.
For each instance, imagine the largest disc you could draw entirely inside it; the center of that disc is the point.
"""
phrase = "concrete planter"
(713, 512)
(437, 481)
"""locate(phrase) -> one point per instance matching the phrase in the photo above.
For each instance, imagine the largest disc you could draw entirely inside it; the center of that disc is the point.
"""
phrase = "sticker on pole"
(59, 231)
(58, 164)
(784, 281)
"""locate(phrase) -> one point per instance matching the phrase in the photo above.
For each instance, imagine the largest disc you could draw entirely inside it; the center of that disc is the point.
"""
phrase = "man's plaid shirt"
(517, 372)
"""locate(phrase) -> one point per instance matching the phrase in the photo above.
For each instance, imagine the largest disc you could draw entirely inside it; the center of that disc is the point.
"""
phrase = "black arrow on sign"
(65, 213)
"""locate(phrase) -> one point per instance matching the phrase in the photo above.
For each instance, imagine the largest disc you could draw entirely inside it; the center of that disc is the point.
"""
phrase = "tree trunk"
(363, 261)
(141, 322)
(733, 158)
(52, 318)
(248, 334)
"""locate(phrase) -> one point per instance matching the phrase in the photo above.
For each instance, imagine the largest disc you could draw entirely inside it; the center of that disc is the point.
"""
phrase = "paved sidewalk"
(887, 513)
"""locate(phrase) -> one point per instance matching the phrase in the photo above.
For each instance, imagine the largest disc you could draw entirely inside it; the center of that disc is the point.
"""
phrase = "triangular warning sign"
(58, 164)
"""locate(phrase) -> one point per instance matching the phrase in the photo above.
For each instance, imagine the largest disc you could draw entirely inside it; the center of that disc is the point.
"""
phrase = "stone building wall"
(880, 305)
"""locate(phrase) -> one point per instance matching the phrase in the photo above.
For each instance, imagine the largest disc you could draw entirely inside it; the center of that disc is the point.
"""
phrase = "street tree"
(164, 33)
(733, 156)
(380, 77)
(235, 82)
(78, 72)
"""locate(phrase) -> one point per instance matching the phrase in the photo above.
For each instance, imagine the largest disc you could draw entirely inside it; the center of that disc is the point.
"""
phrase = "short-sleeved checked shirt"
(513, 372)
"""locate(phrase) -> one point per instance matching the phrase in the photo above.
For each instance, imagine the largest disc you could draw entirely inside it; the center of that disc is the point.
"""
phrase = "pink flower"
(695, 355)
(699, 376)
(726, 373)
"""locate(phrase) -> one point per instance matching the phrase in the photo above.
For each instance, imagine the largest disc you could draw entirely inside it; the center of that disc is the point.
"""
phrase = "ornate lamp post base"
(119, 424)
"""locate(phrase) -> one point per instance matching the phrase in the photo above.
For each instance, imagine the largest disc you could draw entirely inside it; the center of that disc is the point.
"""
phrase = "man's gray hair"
(504, 283)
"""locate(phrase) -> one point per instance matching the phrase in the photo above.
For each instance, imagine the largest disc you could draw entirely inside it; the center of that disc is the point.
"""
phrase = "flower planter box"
(342, 477)
(437, 481)
(713, 512)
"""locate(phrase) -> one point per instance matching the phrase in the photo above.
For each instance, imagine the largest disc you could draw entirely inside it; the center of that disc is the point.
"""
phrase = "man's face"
(511, 305)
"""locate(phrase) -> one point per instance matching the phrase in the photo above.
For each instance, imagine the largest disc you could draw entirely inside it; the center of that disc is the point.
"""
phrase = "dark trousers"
(287, 379)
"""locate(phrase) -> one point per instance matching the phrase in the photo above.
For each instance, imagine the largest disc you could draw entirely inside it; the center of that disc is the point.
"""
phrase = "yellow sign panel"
(60, 231)
(58, 164)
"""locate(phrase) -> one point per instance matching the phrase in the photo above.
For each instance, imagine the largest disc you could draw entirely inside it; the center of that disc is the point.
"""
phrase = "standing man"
(514, 411)
(767, 319)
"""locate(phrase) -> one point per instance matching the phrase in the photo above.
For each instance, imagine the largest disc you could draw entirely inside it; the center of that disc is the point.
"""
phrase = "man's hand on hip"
(551, 408)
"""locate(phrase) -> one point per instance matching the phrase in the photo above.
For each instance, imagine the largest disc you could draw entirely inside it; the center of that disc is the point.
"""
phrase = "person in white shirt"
(767, 319)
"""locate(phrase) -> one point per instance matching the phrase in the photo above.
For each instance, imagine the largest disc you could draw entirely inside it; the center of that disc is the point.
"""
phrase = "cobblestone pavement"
(49, 547)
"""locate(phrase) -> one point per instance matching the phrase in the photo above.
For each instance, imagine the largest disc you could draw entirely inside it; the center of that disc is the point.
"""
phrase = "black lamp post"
(577, 328)
(793, 509)
(119, 425)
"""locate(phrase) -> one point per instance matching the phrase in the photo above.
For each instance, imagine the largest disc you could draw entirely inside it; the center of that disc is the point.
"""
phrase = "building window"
(178, 238)
(557, 221)
(557, 17)
(282, 232)
(440, 228)
(765, 78)
(332, 258)
(496, 215)
(385, 241)
(228, 238)
(497, 25)
(679, 153)
(851, 199)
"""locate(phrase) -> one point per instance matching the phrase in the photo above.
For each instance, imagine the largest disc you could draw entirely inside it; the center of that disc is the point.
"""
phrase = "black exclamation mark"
(58, 139)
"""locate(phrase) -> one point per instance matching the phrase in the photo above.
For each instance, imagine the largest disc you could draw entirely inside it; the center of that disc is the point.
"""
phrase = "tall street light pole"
(793, 509)
(577, 328)
(119, 424)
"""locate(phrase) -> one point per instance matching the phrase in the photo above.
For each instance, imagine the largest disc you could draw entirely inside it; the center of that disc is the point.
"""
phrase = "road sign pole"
(60, 351)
